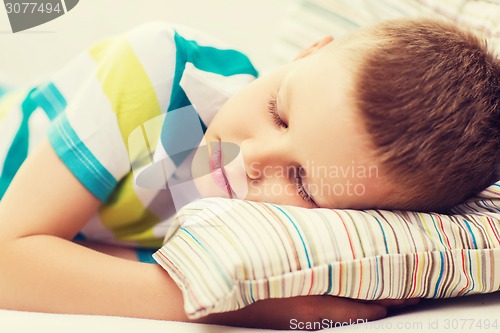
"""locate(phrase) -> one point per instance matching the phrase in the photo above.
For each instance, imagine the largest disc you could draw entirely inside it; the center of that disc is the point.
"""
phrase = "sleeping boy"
(418, 100)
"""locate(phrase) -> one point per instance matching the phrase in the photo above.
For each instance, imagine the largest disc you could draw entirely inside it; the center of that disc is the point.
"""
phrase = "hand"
(296, 312)
(396, 303)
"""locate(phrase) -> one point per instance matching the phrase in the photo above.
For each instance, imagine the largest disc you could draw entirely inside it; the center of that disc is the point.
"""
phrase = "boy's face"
(300, 138)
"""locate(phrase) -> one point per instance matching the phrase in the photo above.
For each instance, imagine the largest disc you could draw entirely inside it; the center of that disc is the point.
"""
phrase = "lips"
(218, 174)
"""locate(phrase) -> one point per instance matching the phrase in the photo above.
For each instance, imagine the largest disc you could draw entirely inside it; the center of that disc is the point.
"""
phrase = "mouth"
(217, 168)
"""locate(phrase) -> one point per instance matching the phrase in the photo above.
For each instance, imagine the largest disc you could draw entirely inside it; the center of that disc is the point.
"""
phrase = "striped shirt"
(92, 109)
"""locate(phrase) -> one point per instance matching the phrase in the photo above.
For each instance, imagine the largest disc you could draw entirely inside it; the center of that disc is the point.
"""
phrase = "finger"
(344, 309)
(397, 303)
(412, 301)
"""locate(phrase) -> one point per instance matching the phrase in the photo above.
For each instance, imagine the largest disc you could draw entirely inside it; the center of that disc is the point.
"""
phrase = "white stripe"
(52, 99)
(70, 78)
(209, 91)
(91, 116)
(154, 47)
(37, 125)
(71, 144)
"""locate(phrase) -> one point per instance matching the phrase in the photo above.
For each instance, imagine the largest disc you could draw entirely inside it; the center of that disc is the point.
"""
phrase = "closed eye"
(272, 106)
(301, 189)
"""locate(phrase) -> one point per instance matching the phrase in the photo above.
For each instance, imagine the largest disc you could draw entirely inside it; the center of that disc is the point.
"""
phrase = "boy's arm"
(43, 270)
(112, 250)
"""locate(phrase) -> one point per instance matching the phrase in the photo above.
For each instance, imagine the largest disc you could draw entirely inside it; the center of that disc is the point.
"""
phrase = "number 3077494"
(32, 7)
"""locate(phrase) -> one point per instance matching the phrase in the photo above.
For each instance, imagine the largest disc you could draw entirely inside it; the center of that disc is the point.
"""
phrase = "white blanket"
(465, 314)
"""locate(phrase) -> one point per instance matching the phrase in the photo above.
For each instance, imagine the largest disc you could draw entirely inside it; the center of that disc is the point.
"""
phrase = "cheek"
(239, 111)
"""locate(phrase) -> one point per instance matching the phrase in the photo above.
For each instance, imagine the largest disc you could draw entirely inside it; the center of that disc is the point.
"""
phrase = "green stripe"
(146, 255)
(18, 151)
(80, 160)
(50, 99)
(210, 59)
(206, 58)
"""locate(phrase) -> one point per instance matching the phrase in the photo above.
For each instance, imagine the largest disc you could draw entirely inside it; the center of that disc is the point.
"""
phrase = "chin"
(207, 189)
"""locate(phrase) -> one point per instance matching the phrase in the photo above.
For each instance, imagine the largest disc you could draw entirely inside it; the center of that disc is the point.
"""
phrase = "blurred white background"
(250, 26)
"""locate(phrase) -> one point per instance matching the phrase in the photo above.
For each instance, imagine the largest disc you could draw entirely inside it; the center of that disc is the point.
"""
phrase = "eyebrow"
(286, 110)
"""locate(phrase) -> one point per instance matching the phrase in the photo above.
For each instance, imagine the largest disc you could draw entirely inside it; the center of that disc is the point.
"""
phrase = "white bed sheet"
(464, 314)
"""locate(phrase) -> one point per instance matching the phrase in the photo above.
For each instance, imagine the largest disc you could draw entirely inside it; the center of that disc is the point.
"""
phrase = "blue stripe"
(50, 99)
(181, 133)
(377, 277)
(79, 237)
(300, 235)
(206, 58)
(471, 233)
(18, 150)
(440, 274)
(383, 234)
(330, 277)
(211, 257)
(437, 231)
(145, 255)
(251, 292)
(210, 59)
(80, 160)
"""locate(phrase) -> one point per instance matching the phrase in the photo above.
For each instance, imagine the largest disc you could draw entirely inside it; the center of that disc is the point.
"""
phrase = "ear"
(314, 47)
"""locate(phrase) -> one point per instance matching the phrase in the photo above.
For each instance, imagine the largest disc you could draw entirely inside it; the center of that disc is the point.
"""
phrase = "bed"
(477, 313)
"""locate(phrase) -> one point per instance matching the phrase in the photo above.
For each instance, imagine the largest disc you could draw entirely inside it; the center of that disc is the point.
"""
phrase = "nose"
(258, 156)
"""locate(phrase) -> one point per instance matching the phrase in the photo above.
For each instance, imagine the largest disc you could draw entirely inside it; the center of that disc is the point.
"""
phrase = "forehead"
(329, 137)
(320, 93)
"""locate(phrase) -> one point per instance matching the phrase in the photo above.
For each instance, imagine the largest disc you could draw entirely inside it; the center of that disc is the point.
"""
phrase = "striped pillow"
(310, 20)
(226, 254)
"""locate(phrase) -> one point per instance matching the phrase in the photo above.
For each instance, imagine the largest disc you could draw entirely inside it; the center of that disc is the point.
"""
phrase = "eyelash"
(302, 191)
(272, 109)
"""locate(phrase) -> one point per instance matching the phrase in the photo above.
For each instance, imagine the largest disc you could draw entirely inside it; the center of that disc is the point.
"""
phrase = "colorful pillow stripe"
(226, 254)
